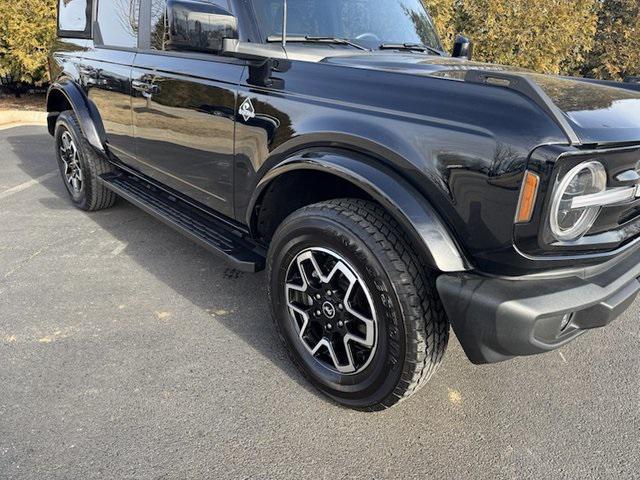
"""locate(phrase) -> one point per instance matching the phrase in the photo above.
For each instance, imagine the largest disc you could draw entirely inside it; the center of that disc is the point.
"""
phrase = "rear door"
(184, 107)
(105, 71)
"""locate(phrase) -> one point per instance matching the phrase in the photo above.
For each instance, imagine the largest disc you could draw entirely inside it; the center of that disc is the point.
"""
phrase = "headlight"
(567, 222)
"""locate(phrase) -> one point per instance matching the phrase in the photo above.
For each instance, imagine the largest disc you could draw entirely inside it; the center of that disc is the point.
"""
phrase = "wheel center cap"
(328, 309)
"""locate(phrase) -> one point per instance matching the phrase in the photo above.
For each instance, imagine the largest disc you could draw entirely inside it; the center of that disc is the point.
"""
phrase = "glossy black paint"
(105, 78)
(463, 146)
(184, 120)
(460, 145)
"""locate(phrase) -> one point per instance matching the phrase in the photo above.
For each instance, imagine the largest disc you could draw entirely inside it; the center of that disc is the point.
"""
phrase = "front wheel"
(357, 311)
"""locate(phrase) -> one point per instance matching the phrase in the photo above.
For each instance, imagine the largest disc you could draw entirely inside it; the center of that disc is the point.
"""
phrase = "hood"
(589, 112)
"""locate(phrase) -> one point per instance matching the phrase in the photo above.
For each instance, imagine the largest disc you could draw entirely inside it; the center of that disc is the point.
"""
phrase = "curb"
(15, 118)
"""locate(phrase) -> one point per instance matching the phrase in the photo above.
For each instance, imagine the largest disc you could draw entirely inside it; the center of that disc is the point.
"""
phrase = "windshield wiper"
(417, 47)
(310, 39)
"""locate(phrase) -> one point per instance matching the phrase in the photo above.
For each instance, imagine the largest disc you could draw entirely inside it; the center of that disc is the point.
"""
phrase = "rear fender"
(86, 112)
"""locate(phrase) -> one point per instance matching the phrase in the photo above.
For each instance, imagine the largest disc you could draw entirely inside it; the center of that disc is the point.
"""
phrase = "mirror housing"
(254, 52)
(462, 47)
(198, 25)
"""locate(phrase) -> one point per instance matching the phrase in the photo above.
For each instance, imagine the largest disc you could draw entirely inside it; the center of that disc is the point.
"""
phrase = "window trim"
(87, 33)
(144, 25)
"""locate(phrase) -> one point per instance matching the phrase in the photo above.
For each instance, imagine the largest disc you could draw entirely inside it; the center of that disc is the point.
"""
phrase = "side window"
(118, 22)
(160, 26)
(74, 18)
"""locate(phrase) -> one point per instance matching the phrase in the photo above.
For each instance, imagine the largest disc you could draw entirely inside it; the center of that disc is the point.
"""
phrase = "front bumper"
(496, 319)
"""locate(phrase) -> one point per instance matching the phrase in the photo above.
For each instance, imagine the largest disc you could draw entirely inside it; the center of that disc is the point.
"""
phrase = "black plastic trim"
(87, 113)
(413, 212)
(496, 319)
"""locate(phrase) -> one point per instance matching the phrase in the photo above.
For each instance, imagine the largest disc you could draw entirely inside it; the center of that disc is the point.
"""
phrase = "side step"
(208, 231)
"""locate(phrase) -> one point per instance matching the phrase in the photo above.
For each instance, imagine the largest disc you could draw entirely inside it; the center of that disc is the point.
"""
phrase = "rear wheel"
(355, 308)
(80, 166)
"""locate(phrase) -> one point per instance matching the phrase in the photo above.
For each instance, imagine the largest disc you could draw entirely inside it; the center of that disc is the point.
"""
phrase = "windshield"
(369, 23)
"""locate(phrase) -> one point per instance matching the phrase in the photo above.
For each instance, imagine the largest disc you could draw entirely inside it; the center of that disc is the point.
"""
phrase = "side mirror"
(255, 52)
(462, 47)
(198, 25)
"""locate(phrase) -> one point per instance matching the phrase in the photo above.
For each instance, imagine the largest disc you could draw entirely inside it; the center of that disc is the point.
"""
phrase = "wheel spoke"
(74, 154)
(305, 317)
(309, 257)
(64, 162)
(303, 275)
(348, 368)
(340, 267)
(70, 158)
(368, 322)
(66, 141)
(297, 288)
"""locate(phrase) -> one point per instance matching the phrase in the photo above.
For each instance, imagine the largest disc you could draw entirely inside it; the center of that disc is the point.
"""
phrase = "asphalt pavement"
(128, 352)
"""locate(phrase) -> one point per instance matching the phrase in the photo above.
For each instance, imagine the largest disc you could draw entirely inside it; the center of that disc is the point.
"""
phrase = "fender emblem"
(246, 110)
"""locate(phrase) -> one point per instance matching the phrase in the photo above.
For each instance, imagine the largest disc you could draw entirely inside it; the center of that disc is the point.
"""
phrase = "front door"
(184, 116)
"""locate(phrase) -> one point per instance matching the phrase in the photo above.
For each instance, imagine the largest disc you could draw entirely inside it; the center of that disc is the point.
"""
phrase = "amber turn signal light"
(528, 196)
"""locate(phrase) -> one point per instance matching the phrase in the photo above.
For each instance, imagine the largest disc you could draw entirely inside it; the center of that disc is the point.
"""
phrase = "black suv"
(388, 187)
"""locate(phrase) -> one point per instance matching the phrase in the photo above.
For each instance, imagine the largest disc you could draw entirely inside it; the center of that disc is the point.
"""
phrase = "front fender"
(408, 207)
(85, 110)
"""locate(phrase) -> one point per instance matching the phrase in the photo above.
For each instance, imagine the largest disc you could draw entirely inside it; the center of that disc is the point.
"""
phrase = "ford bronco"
(390, 189)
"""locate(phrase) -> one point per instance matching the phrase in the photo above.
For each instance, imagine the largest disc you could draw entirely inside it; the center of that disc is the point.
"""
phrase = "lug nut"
(329, 326)
(340, 307)
(329, 293)
(341, 324)
(318, 313)
(318, 297)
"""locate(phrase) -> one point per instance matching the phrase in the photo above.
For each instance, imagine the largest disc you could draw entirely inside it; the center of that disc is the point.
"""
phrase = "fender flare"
(86, 112)
(408, 206)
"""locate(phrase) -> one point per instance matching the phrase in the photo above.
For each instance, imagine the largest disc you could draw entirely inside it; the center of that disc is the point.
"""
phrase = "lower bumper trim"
(498, 319)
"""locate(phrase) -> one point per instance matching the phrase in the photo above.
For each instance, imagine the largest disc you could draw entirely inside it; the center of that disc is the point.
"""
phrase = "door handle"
(90, 74)
(146, 89)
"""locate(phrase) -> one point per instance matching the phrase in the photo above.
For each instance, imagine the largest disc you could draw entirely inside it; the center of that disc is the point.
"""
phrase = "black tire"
(91, 195)
(412, 328)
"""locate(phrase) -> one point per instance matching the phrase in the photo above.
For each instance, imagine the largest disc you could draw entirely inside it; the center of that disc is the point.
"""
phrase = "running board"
(216, 236)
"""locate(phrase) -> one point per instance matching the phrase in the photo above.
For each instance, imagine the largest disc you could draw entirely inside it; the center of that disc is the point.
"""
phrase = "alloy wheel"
(71, 162)
(332, 310)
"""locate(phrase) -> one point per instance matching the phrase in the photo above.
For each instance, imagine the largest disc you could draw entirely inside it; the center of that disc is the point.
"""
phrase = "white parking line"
(25, 185)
